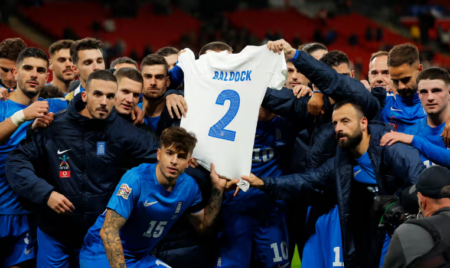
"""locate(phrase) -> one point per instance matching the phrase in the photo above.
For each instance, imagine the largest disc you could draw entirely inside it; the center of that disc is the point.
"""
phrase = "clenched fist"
(36, 110)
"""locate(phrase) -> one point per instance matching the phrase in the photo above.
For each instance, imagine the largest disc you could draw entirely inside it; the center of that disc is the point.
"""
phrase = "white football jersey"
(224, 92)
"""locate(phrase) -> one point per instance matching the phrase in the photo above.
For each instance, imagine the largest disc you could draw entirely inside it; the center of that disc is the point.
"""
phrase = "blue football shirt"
(150, 121)
(430, 143)
(402, 113)
(363, 172)
(9, 203)
(269, 147)
(150, 211)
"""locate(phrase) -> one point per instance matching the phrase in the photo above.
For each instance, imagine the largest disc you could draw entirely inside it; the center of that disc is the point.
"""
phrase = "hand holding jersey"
(241, 79)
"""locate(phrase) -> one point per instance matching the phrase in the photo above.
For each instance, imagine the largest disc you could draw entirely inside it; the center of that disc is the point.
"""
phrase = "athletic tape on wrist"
(18, 118)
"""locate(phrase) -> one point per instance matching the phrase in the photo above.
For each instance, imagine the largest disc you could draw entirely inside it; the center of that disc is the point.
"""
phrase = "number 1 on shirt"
(218, 130)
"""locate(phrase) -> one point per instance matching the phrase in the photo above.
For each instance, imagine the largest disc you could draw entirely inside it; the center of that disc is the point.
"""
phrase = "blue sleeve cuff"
(295, 56)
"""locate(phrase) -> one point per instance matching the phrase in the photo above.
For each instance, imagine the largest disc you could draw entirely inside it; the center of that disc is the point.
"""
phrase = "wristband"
(18, 118)
(317, 91)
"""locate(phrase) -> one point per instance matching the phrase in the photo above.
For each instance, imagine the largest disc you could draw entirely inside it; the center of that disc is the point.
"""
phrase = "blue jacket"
(81, 158)
(337, 86)
(396, 167)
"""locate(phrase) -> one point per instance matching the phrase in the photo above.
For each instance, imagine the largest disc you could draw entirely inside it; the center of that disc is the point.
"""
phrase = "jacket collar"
(442, 210)
(77, 105)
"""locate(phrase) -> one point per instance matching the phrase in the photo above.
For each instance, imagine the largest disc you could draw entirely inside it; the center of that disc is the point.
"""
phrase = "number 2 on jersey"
(218, 130)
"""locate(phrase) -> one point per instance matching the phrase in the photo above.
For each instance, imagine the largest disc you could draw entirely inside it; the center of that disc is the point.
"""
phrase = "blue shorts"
(251, 236)
(324, 246)
(54, 254)
(17, 242)
(102, 262)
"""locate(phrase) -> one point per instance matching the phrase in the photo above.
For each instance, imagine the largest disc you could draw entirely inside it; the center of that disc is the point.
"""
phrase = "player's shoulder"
(141, 171)
(187, 182)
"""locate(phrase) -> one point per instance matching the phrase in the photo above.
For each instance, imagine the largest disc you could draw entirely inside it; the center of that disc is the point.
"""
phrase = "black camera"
(389, 213)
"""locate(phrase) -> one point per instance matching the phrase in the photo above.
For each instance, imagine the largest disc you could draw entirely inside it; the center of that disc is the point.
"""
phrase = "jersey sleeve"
(126, 194)
(432, 152)
(57, 104)
(196, 205)
(187, 63)
(279, 73)
(176, 76)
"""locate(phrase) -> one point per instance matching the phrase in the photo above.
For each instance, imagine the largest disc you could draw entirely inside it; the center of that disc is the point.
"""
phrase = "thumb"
(213, 169)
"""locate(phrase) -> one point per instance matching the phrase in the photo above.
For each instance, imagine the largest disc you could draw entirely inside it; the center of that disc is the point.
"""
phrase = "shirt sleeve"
(196, 205)
(432, 152)
(280, 73)
(57, 104)
(176, 76)
(126, 195)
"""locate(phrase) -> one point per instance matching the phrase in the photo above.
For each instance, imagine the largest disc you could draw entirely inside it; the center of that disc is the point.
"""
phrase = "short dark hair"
(356, 106)
(404, 53)
(378, 54)
(50, 92)
(434, 73)
(32, 52)
(215, 46)
(58, 45)
(154, 59)
(313, 47)
(178, 138)
(10, 48)
(167, 51)
(84, 44)
(335, 58)
(129, 73)
(123, 60)
(100, 75)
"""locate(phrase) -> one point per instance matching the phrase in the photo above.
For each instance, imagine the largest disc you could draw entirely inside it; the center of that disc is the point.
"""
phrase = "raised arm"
(111, 238)
(36, 110)
(327, 80)
(204, 220)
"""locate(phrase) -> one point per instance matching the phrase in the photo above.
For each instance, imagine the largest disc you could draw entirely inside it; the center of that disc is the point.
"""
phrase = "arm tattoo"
(111, 239)
(213, 208)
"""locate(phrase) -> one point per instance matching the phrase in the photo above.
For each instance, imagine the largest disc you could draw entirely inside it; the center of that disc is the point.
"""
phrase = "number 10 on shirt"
(218, 130)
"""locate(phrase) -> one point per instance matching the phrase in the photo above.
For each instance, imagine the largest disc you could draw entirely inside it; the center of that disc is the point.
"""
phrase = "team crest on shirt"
(124, 191)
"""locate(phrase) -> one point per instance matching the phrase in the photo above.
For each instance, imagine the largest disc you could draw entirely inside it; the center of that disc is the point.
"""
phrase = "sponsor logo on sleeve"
(124, 191)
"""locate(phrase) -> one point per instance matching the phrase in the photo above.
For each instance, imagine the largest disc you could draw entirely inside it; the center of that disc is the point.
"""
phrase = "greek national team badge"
(101, 148)
(124, 191)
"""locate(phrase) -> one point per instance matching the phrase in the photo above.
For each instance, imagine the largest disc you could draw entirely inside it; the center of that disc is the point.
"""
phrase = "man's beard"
(29, 94)
(406, 93)
(352, 141)
(64, 80)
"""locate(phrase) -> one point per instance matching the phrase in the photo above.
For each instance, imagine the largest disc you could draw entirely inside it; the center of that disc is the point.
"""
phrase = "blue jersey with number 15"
(150, 211)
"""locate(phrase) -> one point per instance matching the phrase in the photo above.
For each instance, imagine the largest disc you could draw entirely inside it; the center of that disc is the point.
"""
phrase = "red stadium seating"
(146, 28)
(7, 32)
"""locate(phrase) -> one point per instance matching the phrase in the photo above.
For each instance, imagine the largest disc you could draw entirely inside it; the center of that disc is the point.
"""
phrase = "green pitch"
(296, 263)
